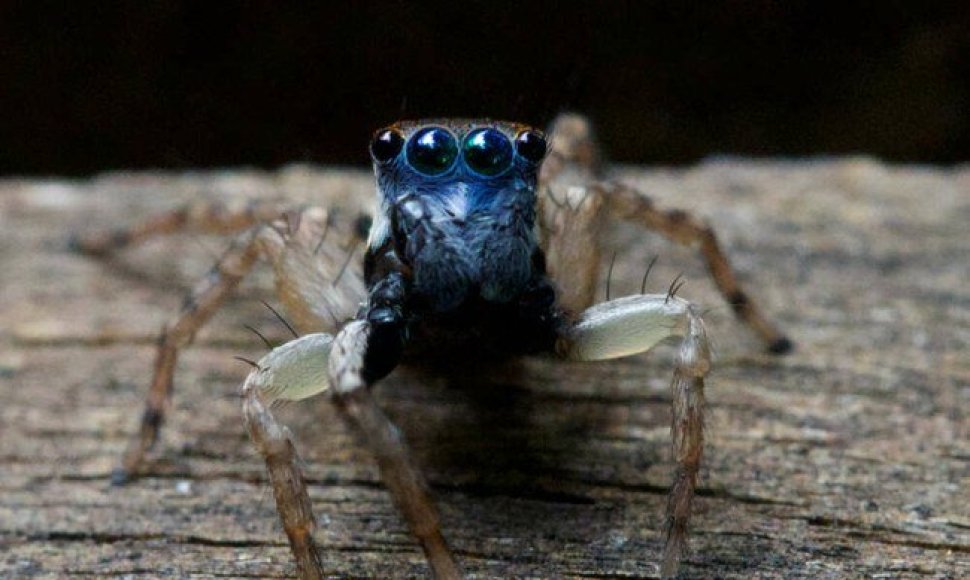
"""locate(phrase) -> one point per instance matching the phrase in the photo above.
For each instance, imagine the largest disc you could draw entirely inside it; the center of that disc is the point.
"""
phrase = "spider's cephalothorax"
(454, 238)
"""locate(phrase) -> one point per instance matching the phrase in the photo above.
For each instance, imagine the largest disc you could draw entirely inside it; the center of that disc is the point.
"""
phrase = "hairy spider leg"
(403, 479)
(569, 205)
(572, 213)
(365, 351)
(571, 219)
(680, 227)
(304, 277)
(569, 216)
(632, 325)
(275, 443)
(199, 306)
(348, 365)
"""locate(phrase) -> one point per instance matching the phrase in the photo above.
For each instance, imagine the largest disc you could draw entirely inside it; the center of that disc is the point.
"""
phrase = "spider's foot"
(782, 345)
(132, 462)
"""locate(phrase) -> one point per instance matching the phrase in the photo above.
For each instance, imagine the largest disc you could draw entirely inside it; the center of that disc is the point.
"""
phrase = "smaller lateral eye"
(386, 145)
(531, 146)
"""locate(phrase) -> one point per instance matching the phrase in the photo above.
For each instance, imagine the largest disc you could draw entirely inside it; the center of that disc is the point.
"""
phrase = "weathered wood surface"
(848, 458)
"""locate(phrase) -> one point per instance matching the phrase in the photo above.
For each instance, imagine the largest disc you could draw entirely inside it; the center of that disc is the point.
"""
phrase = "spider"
(484, 243)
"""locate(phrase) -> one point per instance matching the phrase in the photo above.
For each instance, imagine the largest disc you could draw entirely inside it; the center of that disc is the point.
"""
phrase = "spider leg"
(680, 227)
(635, 324)
(573, 163)
(200, 305)
(570, 215)
(293, 371)
(363, 352)
(314, 302)
(569, 218)
(208, 217)
(403, 480)
(349, 376)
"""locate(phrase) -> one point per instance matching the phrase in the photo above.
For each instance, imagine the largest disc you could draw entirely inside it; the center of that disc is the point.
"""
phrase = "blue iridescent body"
(455, 230)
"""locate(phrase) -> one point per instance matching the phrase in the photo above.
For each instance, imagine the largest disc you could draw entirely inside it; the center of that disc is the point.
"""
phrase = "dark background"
(89, 86)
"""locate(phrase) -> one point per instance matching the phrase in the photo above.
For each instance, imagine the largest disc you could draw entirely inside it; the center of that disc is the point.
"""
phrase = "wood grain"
(849, 458)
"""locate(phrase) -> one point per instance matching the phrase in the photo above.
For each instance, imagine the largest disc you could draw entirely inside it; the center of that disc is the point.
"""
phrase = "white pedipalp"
(293, 371)
(626, 326)
(346, 366)
(380, 229)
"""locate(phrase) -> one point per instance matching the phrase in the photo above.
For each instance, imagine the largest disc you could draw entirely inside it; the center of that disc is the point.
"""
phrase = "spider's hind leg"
(570, 173)
(635, 324)
(208, 217)
(680, 227)
(198, 307)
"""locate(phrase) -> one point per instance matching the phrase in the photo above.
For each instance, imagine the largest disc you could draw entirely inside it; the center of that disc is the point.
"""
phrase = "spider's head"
(457, 204)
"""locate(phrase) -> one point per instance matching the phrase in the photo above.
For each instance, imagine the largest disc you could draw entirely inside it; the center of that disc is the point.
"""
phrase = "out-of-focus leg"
(570, 214)
(207, 217)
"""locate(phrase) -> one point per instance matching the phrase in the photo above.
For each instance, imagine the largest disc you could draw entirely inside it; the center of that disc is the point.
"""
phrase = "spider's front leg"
(293, 371)
(362, 353)
(635, 324)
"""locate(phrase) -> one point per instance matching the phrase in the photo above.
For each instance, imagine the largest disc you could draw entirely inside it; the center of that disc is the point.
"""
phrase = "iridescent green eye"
(432, 150)
(487, 151)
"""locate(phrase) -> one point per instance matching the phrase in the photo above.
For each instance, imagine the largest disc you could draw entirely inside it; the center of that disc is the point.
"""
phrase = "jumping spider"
(484, 241)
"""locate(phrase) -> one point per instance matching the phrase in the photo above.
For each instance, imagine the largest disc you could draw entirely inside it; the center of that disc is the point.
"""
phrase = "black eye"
(531, 146)
(487, 151)
(386, 144)
(432, 150)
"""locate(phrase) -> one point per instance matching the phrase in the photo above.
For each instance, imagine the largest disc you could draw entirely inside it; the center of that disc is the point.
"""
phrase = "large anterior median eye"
(487, 151)
(386, 144)
(432, 150)
(531, 146)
